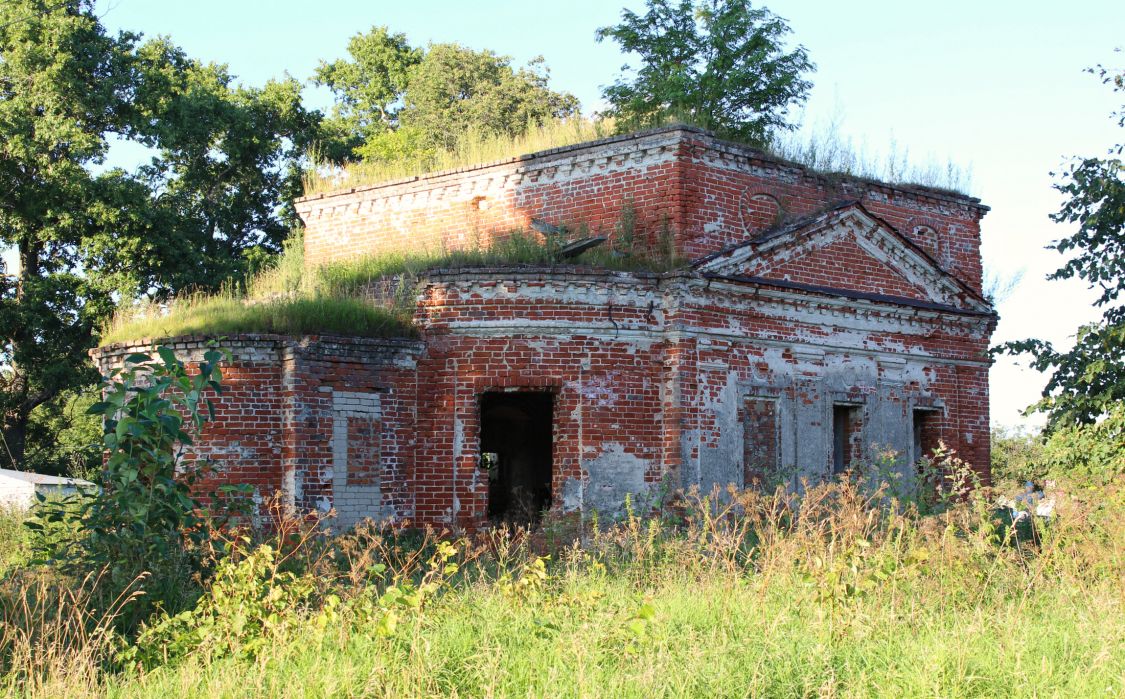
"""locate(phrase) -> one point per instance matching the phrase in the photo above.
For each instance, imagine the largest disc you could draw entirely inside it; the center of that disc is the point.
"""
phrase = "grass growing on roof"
(823, 149)
(518, 249)
(336, 298)
(230, 313)
(473, 148)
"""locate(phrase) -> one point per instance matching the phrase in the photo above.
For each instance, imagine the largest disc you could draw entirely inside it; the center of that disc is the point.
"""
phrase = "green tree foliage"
(60, 76)
(368, 87)
(1089, 453)
(1088, 380)
(63, 438)
(396, 101)
(203, 209)
(718, 63)
(1017, 458)
(456, 89)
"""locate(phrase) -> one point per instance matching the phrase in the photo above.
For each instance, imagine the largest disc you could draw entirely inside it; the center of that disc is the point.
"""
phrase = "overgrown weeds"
(824, 149)
(842, 588)
(370, 296)
(830, 591)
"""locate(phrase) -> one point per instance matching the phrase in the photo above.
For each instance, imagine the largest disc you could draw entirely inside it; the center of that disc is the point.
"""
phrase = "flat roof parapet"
(544, 158)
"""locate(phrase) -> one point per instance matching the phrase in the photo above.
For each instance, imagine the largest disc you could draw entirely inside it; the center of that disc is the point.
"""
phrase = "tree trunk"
(15, 440)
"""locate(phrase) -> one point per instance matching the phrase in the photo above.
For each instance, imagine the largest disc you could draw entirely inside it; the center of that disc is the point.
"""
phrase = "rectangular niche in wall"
(761, 437)
(846, 434)
(927, 432)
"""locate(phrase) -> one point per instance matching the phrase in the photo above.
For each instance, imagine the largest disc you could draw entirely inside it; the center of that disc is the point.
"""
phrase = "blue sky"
(995, 86)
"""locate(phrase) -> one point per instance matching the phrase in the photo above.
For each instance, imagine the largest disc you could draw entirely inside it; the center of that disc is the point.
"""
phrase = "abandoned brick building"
(817, 321)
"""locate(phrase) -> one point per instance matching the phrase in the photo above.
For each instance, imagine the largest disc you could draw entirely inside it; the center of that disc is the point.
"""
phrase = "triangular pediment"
(846, 248)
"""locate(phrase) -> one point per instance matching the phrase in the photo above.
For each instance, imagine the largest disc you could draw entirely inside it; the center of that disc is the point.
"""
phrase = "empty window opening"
(515, 445)
(845, 437)
(760, 448)
(927, 433)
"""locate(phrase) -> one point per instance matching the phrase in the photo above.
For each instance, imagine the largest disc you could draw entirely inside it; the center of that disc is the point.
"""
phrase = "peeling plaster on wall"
(720, 459)
(600, 391)
(630, 291)
(610, 476)
(572, 495)
(852, 313)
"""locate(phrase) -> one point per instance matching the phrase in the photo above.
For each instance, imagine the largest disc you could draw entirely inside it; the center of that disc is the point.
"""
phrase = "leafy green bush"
(255, 603)
(145, 528)
(1017, 458)
(1094, 453)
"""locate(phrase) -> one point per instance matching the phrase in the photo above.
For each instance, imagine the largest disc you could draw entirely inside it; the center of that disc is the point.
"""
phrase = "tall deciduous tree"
(368, 87)
(721, 64)
(1088, 380)
(455, 89)
(398, 101)
(206, 204)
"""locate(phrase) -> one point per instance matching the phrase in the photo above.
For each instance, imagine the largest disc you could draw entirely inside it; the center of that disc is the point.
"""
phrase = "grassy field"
(839, 593)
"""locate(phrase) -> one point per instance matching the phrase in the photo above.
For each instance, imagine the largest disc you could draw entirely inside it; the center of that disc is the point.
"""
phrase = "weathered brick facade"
(817, 312)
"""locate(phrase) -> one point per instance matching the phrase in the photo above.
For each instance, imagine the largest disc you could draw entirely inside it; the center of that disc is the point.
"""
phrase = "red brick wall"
(723, 182)
(274, 420)
(706, 193)
(654, 377)
(650, 376)
(842, 264)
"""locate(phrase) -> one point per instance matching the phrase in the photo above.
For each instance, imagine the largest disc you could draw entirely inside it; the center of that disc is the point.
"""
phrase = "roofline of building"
(42, 478)
(824, 215)
(715, 141)
(850, 294)
(547, 273)
(145, 345)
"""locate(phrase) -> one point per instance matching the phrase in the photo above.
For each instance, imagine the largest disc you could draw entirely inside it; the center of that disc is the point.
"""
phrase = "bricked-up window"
(761, 451)
(364, 450)
(927, 432)
(846, 430)
(357, 447)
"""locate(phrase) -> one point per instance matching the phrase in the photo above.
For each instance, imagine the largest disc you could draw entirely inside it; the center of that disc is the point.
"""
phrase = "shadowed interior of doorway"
(516, 453)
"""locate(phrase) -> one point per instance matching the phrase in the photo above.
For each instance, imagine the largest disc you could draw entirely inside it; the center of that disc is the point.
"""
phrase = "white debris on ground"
(1028, 502)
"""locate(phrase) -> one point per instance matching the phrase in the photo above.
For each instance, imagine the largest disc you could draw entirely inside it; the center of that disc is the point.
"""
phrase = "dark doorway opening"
(515, 445)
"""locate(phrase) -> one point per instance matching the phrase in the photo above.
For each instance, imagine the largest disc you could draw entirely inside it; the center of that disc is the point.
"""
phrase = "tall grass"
(370, 296)
(14, 548)
(838, 592)
(827, 150)
(823, 149)
(472, 148)
(57, 633)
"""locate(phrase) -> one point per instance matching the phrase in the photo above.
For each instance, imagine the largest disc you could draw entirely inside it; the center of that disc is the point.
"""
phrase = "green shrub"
(255, 603)
(1094, 453)
(145, 527)
(1017, 457)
